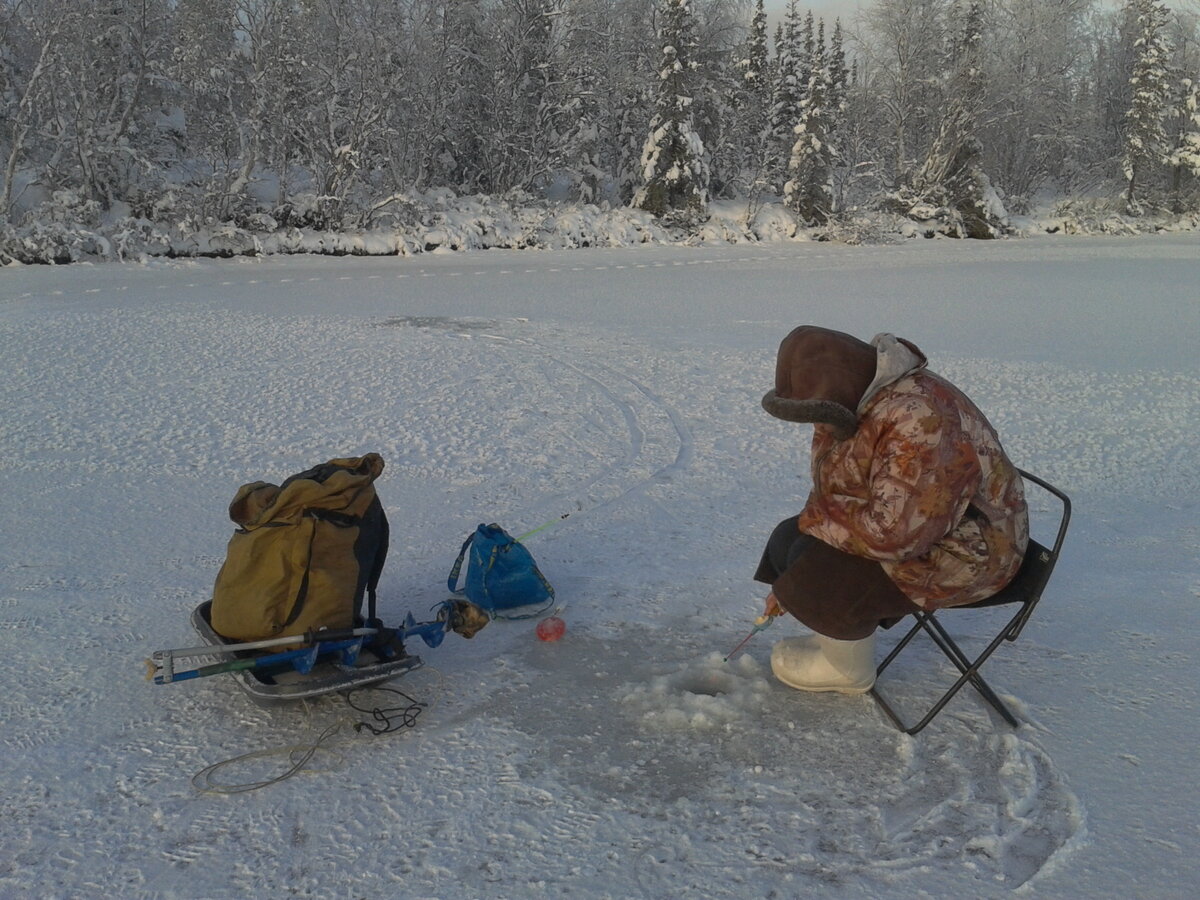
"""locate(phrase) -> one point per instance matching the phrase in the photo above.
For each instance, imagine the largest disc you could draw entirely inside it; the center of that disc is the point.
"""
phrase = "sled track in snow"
(653, 427)
(634, 415)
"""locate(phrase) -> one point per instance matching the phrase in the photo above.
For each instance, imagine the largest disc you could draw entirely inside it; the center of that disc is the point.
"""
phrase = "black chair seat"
(1026, 584)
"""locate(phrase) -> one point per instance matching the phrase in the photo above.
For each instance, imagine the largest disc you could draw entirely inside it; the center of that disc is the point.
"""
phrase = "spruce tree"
(1185, 157)
(809, 44)
(752, 99)
(809, 191)
(838, 101)
(839, 75)
(755, 63)
(787, 94)
(674, 167)
(1145, 134)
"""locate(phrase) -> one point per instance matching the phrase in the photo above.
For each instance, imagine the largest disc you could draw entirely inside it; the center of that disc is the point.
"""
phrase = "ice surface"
(626, 760)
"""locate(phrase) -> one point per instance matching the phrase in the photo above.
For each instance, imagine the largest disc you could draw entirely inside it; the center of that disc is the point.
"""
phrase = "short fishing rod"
(762, 622)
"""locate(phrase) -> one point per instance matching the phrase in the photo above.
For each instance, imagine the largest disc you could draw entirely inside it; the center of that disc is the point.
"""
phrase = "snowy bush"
(1108, 214)
(443, 222)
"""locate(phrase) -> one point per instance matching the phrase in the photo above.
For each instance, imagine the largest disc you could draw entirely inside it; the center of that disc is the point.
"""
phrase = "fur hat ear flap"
(842, 420)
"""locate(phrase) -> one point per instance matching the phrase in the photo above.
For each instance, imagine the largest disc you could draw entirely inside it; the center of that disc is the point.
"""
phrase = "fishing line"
(542, 527)
(394, 718)
(298, 755)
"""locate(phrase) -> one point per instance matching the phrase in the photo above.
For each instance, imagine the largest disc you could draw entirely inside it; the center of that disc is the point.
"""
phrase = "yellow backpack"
(304, 554)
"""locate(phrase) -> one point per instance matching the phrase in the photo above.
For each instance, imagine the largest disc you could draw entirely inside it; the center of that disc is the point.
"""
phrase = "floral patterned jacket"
(923, 486)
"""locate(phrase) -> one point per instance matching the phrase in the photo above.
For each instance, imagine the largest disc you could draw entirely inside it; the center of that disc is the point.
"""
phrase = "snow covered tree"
(1041, 116)
(787, 94)
(341, 52)
(901, 51)
(674, 167)
(862, 173)
(809, 190)
(1112, 66)
(951, 184)
(621, 43)
(838, 105)
(1145, 133)
(839, 74)
(755, 62)
(583, 163)
(810, 44)
(954, 165)
(27, 59)
(454, 115)
(967, 85)
(754, 106)
(1184, 159)
(103, 107)
(582, 151)
(236, 97)
(526, 92)
(721, 102)
(223, 140)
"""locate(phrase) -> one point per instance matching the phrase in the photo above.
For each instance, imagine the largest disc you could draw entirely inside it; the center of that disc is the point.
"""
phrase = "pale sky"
(829, 10)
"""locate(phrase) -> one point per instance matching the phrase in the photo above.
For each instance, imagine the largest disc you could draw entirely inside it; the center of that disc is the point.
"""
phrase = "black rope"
(393, 718)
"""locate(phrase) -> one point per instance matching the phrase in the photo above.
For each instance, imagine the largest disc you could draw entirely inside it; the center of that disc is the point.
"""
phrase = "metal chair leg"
(970, 670)
(969, 673)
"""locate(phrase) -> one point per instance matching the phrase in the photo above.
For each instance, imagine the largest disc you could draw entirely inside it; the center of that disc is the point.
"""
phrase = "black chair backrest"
(1029, 582)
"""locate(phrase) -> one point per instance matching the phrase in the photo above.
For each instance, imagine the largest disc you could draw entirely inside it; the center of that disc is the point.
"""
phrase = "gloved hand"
(771, 608)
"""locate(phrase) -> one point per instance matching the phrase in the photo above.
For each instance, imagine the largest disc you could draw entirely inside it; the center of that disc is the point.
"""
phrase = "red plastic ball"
(550, 628)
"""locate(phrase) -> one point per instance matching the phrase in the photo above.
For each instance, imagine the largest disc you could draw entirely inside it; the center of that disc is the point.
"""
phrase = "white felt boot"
(819, 663)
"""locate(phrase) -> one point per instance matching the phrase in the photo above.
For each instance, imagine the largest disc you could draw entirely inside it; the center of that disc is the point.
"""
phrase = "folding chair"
(1025, 589)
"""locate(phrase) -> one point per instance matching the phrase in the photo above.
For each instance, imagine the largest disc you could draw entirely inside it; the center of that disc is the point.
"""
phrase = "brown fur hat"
(820, 377)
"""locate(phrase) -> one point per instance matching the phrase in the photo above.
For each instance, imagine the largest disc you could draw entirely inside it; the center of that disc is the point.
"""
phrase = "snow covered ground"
(627, 760)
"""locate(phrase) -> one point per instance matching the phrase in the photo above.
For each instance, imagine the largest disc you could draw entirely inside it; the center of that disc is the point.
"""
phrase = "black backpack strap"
(452, 581)
(377, 565)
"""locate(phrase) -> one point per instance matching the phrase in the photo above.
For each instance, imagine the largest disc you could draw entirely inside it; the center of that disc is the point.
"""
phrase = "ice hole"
(706, 682)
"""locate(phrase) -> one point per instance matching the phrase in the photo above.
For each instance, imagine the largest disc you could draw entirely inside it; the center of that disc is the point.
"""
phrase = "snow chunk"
(709, 693)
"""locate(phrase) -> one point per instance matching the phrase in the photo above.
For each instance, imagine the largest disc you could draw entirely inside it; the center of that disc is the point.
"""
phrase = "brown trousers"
(834, 593)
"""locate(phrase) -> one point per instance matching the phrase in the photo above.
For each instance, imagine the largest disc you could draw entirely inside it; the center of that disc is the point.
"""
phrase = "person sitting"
(914, 504)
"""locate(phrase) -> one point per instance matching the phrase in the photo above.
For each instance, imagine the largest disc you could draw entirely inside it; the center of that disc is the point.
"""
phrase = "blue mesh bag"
(501, 575)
